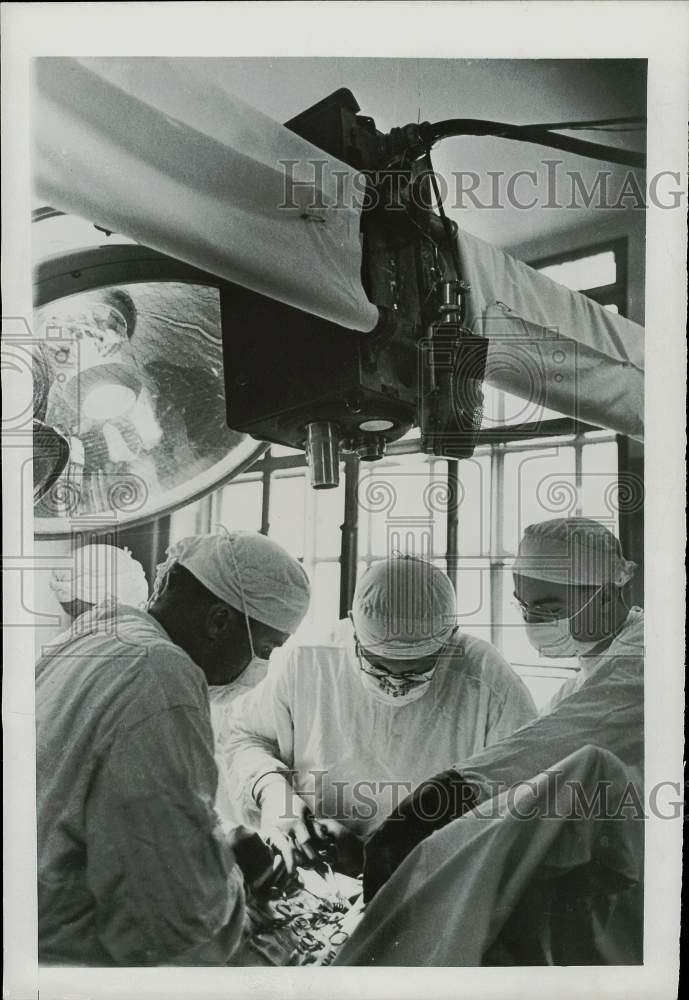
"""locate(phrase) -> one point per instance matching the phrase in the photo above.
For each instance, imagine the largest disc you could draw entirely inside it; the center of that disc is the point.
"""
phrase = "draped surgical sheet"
(152, 149)
(552, 346)
(537, 876)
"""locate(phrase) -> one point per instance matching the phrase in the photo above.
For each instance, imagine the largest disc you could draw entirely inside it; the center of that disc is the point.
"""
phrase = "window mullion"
(309, 515)
(578, 479)
(496, 543)
(266, 480)
(451, 515)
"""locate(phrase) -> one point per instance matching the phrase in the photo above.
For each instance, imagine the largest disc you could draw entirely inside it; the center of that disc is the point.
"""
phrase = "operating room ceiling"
(135, 438)
(519, 91)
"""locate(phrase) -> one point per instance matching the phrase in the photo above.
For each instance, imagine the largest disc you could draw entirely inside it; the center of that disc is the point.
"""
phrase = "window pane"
(412, 433)
(437, 498)
(541, 442)
(599, 482)
(501, 408)
(518, 410)
(474, 506)
(240, 506)
(538, 485)
(592, 271)
(506, 408)
(403, 507)
(184, 521)
(286, 515)
(329, 514)
(325, 594)
(473, 593)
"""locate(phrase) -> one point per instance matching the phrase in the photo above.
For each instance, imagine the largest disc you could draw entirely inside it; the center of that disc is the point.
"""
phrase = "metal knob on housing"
(371, 447)
(323, 454)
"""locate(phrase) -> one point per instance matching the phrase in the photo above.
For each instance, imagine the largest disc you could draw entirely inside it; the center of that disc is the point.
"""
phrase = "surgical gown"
(352, 756)
(494, 887)
(222, 697)
(602, 706)
(549, 874)
(131, 869)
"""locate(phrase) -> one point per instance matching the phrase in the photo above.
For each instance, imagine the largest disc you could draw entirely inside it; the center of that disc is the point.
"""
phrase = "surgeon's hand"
(257, 863)
(436, 802)
(287, 824)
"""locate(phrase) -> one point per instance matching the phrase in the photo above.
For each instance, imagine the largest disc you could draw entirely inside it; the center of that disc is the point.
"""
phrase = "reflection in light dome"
(108, 400)
(134, 373)
(117, 446)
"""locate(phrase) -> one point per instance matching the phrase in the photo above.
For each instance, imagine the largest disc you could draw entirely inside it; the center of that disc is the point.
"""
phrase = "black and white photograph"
(338, 478)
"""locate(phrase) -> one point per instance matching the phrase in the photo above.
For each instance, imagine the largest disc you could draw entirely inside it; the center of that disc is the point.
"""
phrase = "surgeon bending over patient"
(344, 730)
(132, 868)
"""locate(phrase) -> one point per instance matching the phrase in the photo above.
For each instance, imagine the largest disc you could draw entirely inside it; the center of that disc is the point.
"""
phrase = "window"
(583, 272)
(537, 479)
(408, 502)
(530, 481)
(402, 504)
(598, 272)
(279, 501)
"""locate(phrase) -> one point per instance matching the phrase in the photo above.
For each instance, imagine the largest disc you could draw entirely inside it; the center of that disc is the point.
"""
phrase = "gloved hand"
(257, 863)
(436, 802)
(287, 824)
(349, 849)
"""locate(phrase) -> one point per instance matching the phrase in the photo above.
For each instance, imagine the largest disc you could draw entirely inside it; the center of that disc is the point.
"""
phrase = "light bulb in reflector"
(376, 426)
(107, 401)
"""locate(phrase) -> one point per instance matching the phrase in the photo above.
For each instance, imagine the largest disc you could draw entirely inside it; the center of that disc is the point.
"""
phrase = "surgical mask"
(394, 689)
(252, 675)
(555, 639)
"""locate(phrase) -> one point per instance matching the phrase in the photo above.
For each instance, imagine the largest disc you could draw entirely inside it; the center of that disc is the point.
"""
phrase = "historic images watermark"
(548, 186)
(551, 795)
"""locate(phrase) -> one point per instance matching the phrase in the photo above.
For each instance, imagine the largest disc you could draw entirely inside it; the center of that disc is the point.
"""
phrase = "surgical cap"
(404, 608)
(242, 566)
(101, 571)
(574, 551)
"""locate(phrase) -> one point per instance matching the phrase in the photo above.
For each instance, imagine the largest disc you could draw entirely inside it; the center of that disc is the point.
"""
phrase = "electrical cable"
(621, 130)
(447, 226)
(432, 133)
(596, 123)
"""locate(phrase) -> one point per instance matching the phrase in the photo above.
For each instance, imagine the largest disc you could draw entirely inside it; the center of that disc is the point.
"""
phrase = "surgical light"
(376, 426)
(50, 458)
(139, 400)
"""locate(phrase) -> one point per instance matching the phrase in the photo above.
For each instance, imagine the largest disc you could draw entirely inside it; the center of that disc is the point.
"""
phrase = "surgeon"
(569, 580)
(339, 732)
(132, 866)
(100, 571)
